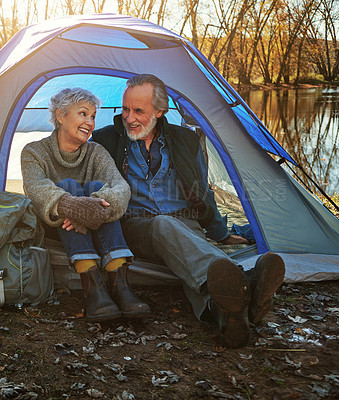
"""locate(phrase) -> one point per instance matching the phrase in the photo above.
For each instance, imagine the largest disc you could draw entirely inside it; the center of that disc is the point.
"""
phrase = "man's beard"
(145, 130)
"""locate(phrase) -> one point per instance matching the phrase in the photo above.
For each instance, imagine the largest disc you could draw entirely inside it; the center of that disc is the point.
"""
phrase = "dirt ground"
(51, 352)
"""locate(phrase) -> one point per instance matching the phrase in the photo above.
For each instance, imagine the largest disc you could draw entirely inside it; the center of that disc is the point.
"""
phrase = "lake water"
(306, 123)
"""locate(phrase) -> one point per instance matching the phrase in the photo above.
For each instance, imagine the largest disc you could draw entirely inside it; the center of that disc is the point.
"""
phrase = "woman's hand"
(104, 203)
(67, 225)
(80, 213)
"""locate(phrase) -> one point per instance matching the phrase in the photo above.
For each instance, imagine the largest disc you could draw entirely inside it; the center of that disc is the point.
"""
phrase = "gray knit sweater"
(43, 165)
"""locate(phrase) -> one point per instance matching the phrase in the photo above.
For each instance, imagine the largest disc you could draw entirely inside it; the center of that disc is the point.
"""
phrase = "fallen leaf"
(297, 319)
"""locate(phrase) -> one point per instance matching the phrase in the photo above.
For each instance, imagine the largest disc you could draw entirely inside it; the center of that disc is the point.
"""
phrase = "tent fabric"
(304, 267)
(100, 52)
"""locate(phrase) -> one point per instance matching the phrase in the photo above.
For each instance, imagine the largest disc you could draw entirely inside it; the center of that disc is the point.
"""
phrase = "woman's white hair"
(66, 98)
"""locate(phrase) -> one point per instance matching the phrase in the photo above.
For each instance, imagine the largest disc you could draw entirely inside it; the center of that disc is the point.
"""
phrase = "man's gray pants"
(181, 245)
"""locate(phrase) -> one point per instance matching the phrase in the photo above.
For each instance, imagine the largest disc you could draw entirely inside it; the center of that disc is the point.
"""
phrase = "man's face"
(138, 114)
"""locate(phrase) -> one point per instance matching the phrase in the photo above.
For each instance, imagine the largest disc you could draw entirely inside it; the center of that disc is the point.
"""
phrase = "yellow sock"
(84, 265)
(115, 264)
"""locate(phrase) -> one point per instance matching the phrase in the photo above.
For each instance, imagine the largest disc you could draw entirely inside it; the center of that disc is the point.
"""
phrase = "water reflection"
(306, 123)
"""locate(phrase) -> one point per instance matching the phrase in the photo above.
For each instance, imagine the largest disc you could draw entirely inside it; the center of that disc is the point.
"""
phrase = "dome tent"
(100, 52)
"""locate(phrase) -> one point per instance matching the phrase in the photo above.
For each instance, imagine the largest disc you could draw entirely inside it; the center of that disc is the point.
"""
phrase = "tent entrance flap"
(35, 116)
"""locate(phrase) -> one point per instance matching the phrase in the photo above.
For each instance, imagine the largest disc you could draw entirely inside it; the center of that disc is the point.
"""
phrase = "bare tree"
(295, 19)
(244, 39)
(191, 9)
(162, 12)
(98, 5)
(145, 9)
(220, 44)
(137, 8)
(9, 25)
(265, 53)
(74, 7)
(120, 6)
(260, 14)
(322, 44)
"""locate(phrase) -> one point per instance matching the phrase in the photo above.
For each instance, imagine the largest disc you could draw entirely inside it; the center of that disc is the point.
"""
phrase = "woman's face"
(77, 125)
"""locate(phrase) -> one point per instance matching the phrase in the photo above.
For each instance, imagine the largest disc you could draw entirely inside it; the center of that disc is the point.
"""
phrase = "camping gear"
(25, 270)
(99, 52)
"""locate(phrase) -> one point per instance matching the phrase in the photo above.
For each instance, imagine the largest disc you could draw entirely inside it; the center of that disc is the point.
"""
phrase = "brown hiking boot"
(230, 293)
(130, 305)
(98, 303)
(265, 278)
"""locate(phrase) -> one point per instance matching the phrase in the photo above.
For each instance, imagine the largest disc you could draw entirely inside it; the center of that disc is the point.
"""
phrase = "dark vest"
(183, 146)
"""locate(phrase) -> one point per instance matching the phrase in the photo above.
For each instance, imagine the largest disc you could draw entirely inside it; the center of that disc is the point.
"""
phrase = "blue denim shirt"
(159, 194)
(163, 193)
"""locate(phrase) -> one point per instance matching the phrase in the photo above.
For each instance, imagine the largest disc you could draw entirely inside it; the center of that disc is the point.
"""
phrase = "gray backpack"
(25, 272)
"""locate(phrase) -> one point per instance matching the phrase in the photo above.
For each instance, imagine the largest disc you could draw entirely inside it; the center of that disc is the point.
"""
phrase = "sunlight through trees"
(248, 41)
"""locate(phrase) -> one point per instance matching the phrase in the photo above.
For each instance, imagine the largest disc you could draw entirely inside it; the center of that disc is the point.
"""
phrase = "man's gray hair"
(66, 98)
(160, 98)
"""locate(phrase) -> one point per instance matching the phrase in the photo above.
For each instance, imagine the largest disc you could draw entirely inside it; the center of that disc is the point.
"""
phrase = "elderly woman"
(75, 187)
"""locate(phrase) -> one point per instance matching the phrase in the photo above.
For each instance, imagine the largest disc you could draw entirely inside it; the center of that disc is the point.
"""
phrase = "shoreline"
(273, 86)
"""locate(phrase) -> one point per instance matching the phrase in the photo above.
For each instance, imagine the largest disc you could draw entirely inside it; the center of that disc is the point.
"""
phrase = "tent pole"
(315, 184)
(320, 189)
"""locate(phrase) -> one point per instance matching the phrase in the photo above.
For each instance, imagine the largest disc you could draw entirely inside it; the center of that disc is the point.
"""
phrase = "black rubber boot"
(98, 303)
(265, 278)
(120, 291)
(230, 293)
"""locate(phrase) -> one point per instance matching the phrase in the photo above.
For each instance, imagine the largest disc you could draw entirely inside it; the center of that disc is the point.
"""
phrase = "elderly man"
(172, 209)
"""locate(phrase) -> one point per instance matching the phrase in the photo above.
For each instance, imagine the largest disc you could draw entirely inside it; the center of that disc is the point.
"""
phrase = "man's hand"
(234, 239)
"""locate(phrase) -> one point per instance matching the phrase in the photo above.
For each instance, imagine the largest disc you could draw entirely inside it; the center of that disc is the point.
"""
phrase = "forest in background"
(248, 41)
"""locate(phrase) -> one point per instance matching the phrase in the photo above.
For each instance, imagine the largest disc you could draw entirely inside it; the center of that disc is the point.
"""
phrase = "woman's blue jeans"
(105, 243)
